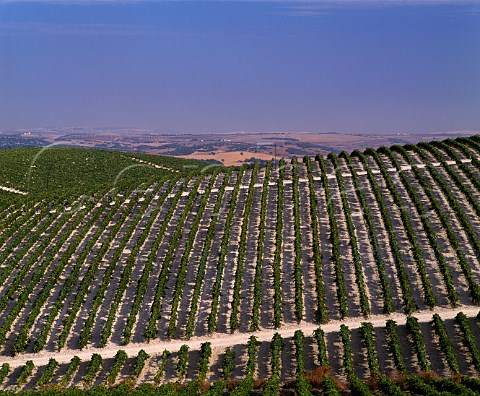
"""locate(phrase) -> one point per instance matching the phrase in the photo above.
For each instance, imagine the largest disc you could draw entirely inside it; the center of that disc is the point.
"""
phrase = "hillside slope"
(68, 173)
(318, 243)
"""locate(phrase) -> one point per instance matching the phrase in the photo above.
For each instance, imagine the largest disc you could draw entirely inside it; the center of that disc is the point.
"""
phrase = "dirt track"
(226, 340)
(13, 190)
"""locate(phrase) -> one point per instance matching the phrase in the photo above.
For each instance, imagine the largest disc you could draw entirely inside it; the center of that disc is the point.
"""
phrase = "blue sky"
(217, 66)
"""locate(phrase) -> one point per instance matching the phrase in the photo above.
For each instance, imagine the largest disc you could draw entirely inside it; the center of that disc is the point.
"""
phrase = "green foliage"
(297, 260)
(217, 388)
(322, 347)
(205, 354)
(452, 200)
(388, 387)
(242, 251)
(48, 373)
(252, 350)
(277, 259)
(71, 370)
(429, 230)
(161, 367)
(321, 312)
(415, 333)
(394, 345)
(69, 283)
(468, 338)
(71, 172)
(148, 266)
(140, 362)
(347, 351)
(192, 388)
(429, 295)
(471, 383)
(357, 258)
(244, 388)
(450, 386)
(181, 275)
(48, 268)
(39, 271)
(107, 279)
(302, 386)
(417, 386)
(334, 239)
(199, 281)
(408, 301)
(329, 387)
(155, 310)
(25, 373)
(93, 369)
(372, 234)
(357, 387)
(445, 343)
(276, 347)
(466, 146)
(131, 259)
(298, 339)
(228, 363)
(272, 386)
(367, 331)
(459, 183)
(118, 362)
(257, 282)
(473, 286)
(213, 316)
(87, 280)
(4, 370)
(182, 364)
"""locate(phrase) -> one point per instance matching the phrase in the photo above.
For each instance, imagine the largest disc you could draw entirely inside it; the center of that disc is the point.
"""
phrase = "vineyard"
(63, 174)
(345, 273)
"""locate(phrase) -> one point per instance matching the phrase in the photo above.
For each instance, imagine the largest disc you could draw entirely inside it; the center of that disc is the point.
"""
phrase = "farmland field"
(351, 266)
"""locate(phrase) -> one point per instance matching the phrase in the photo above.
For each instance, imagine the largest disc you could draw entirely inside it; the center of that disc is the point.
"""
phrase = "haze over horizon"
(219, 66)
